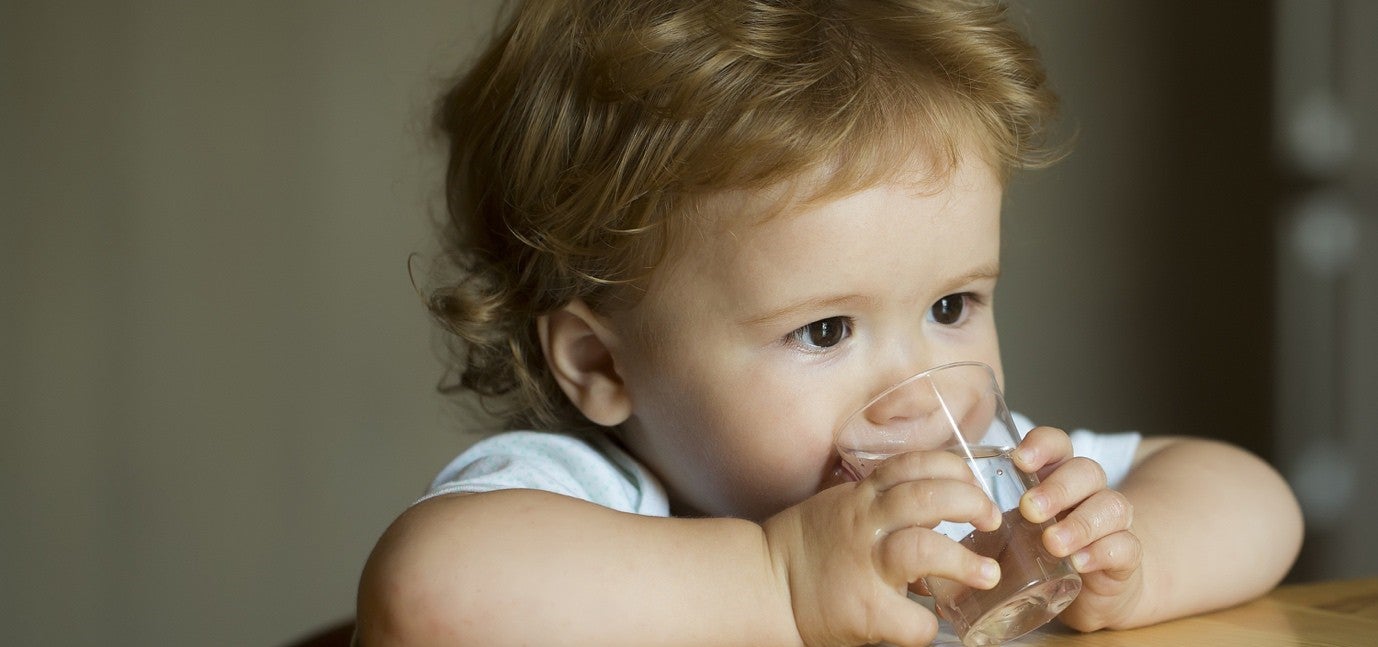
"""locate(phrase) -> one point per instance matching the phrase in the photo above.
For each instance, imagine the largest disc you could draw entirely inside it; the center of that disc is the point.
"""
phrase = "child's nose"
(909, 402)
(927, 413)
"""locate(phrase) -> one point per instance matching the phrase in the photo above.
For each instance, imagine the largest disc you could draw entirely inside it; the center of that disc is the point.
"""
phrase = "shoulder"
(593, 469)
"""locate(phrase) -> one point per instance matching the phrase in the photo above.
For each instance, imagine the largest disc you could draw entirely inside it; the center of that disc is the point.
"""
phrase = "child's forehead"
(733, 226)
(737, 210)
(758, 249)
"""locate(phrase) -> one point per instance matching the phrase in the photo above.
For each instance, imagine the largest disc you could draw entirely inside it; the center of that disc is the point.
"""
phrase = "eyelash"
(965, 299)
(796, 337)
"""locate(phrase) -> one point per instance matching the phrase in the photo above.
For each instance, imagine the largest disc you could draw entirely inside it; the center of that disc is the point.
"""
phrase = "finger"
(1102, 514)
(1042, 449)
(1116, 555)
(912, 466)
(928, 502)
(906, 555)
(1066, 487)
(901, 622)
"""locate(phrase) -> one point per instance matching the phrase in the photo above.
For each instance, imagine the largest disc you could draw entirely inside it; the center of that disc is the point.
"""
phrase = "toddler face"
(760, 336)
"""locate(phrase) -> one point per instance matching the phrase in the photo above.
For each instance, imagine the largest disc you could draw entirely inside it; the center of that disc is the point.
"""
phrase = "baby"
(693, 236)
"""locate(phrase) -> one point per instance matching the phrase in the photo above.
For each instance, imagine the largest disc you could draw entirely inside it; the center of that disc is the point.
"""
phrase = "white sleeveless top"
(598, 471)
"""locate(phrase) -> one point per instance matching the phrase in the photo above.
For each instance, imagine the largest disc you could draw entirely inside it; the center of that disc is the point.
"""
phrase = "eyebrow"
(985, 272)
(807, 305)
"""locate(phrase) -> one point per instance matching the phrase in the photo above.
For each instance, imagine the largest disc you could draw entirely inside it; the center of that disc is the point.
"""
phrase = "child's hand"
(850, 552)
(1094, 528)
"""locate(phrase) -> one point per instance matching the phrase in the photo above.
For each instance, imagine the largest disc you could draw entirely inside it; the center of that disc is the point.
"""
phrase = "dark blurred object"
(1325, 139)
(336, 635)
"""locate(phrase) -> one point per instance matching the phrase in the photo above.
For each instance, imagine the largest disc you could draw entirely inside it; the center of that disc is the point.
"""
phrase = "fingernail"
(990, 572)
(1024, 455)
(1061, 538)
(1081, 560)
(1038, 505)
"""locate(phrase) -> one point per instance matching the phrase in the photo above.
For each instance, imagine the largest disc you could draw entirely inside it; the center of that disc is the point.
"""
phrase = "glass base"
(1029, 610)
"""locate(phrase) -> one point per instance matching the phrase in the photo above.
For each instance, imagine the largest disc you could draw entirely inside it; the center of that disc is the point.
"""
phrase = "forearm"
(1218, 526)
(526, 567)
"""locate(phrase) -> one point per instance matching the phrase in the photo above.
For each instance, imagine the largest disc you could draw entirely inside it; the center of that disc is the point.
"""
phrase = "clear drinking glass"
(959, 408)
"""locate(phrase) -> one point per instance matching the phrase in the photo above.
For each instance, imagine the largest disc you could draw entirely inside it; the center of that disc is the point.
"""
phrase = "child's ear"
(577, 344)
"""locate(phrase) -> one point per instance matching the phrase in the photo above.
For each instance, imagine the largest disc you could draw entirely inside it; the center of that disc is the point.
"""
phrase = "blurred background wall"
(216, 381)
(1205, 262)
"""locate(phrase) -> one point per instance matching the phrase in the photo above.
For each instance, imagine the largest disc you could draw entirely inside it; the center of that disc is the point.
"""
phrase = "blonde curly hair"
(587, 126)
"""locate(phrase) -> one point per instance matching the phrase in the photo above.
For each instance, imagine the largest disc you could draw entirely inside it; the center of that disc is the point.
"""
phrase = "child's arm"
(1206, 525)
(527, 567)
(1219, 526)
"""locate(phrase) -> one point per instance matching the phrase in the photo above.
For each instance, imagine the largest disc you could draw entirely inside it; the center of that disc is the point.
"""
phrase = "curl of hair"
(586, 126)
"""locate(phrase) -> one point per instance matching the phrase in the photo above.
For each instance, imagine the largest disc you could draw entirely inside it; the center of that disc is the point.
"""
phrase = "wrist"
(781, 536)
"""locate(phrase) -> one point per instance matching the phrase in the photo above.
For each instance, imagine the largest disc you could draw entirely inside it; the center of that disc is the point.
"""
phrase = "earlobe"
(578, 349)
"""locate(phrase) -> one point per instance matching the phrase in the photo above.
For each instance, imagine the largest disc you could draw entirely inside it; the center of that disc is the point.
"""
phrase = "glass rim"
(921, 375)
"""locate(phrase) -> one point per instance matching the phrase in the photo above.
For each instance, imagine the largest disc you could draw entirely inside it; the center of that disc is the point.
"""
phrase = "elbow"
(1278, 525)
(1294, 523)
(397, 605)
(1253, 515)
(411, 591)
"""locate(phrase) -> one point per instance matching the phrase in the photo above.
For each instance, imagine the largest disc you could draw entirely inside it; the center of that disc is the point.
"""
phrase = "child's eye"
(822, 334)
(948, 310)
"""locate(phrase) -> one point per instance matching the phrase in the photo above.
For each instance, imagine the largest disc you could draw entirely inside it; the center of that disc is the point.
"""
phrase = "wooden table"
(1339, 614)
